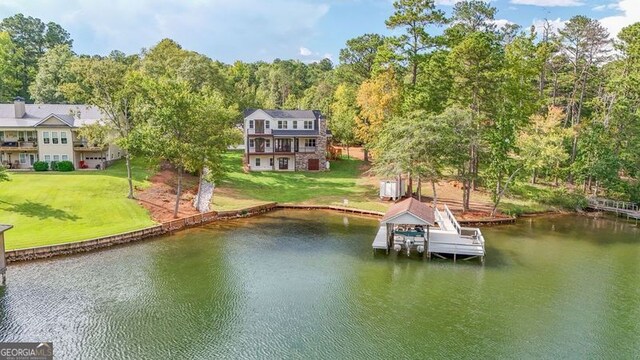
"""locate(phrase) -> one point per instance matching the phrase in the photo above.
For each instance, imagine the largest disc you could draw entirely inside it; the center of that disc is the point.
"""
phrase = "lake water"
(299, 284)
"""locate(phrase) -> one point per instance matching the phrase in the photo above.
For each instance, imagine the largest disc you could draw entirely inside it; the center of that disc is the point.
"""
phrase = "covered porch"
(16, 159)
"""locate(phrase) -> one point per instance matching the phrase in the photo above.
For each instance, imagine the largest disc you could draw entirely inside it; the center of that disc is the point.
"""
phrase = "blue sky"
(251, 30)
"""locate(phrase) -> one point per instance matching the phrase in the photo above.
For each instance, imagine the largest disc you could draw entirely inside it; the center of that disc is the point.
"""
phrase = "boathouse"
(411, 225)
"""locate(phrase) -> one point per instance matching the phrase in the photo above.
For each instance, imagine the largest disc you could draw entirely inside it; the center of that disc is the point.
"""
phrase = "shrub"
(53, 166)
(565, 199)
(40, 166)
(65, 166)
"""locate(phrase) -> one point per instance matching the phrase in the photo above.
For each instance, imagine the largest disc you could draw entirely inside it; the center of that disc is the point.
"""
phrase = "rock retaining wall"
(43, 252)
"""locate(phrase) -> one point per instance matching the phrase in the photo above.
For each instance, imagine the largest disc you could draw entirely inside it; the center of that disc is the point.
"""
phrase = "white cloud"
(500, 23)
(549, 3)
(630, 15)
(222, 29)
(305, 51)
(605, 7)
(447, 2)
(555, 25)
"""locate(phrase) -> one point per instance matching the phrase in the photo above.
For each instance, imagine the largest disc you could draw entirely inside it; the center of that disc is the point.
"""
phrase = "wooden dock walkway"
(621, 208)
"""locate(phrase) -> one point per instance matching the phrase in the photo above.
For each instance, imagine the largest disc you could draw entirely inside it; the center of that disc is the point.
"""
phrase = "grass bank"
(345, 181)
(52, 207)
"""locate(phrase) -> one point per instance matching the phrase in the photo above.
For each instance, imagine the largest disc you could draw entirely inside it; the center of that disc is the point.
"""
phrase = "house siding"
(299, 157)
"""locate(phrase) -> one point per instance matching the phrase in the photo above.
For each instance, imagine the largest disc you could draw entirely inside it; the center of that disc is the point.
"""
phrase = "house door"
(259, 126)
(283, 163)
(259, 145)
(283, 145)
(32, 159)
(313, 164)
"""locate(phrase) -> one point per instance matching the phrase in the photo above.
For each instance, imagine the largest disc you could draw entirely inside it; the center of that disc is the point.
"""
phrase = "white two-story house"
(285, 140)
(48, 132)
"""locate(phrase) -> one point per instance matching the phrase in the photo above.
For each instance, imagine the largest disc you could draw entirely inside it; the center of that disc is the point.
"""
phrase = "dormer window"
(308, 125)
(295, 124)
(282, 124)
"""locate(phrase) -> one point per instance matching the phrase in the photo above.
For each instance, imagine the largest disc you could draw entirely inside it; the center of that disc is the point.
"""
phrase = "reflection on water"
(306, 284)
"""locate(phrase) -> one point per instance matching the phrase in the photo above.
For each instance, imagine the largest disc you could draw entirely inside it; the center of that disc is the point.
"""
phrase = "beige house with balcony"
(285, 140)
(48, 132)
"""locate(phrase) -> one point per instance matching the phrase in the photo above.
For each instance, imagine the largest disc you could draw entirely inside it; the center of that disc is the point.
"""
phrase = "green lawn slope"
(51, 207)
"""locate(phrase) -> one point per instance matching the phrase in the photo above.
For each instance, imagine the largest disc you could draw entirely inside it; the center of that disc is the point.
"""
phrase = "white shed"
(391, 190)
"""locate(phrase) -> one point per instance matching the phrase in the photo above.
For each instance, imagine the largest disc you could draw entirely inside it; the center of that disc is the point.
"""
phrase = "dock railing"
(452, 219)
(607, 204)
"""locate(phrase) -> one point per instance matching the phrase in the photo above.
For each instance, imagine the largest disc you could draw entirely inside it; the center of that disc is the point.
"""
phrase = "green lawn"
(240, 189)
(52, 207)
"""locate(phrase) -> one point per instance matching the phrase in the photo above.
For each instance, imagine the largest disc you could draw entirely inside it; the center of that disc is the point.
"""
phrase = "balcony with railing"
(307, 149)
(260, 149)
(283, 149)
(83, 145)
(19, 145)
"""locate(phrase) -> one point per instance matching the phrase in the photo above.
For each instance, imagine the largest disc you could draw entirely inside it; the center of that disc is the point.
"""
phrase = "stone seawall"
(43, 252)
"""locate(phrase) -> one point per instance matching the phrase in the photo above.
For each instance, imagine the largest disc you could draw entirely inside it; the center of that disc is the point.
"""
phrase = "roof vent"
(18, 105)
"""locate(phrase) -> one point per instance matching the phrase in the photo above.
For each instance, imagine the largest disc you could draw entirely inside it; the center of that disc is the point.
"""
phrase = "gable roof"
(65, 119)
(419, 210)
(287, 114)
(74, 115)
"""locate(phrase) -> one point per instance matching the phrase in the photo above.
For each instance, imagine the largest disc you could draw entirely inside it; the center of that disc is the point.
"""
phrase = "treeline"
(488, 105)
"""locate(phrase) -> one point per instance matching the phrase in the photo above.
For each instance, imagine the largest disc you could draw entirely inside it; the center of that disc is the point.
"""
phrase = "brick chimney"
(18, 105)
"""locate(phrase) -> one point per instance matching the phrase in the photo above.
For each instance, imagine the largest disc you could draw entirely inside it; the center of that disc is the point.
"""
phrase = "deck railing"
(20, 144)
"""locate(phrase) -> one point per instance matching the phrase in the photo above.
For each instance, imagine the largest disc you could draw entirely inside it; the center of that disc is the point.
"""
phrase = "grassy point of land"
(48, 208)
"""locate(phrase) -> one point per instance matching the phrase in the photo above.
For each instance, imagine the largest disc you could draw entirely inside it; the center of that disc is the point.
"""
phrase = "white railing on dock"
(631, 210)
(452, 218)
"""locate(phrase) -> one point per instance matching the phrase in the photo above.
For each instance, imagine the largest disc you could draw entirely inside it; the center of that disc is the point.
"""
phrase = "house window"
(310, 142)
(283, 163)
(45, 137)
(251, 143)
(32, 136)
(271, 162)
(267, 143)
(257, 161)
(282, 124)
(65, 157)
(266, 124)
(250, 124)
(63, 137)
(295, 124)
(47, 158)
(23, 158)
(308, 124)
(54, 137)
(56, 157)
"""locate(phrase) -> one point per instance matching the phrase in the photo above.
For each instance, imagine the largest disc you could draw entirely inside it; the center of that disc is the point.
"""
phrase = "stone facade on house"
(285, 140)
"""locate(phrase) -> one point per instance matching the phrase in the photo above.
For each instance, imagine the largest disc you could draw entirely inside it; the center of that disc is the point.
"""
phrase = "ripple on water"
(305, 285)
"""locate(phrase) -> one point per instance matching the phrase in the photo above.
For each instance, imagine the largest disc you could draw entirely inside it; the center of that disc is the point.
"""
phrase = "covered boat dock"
(411, 225)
